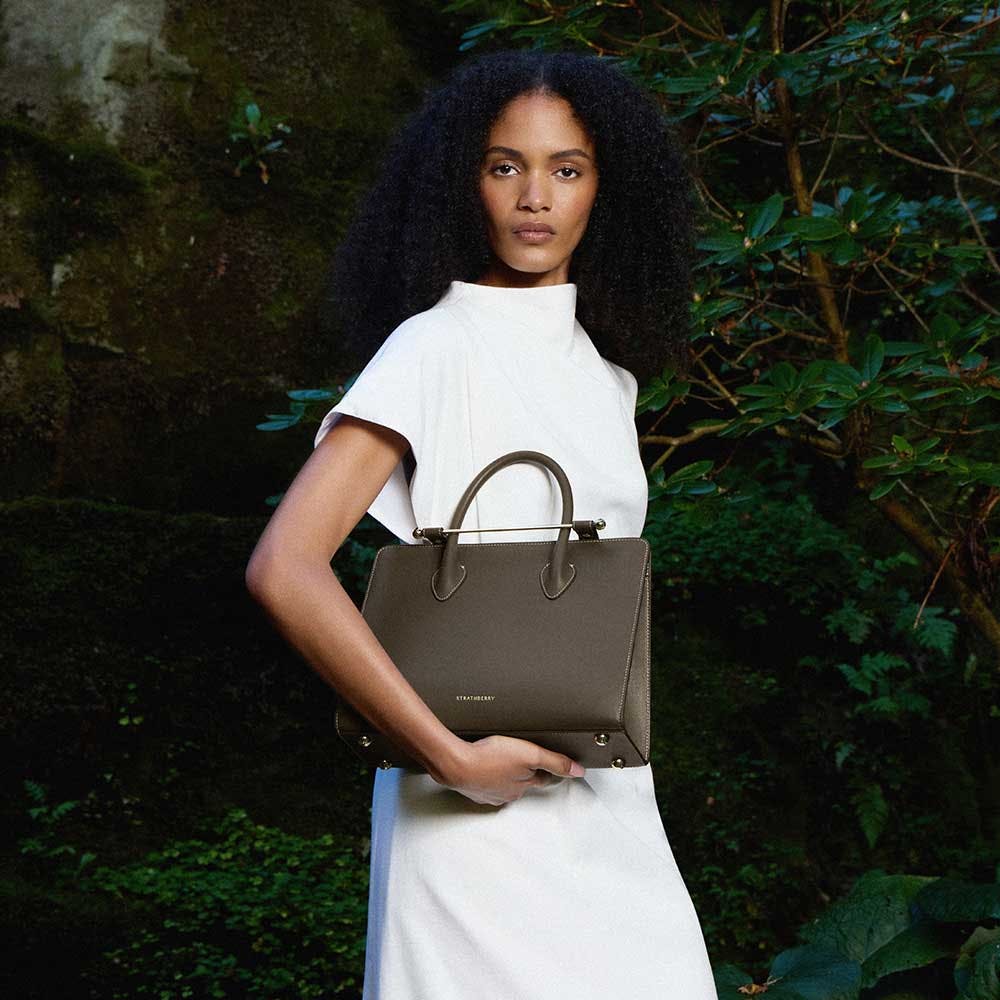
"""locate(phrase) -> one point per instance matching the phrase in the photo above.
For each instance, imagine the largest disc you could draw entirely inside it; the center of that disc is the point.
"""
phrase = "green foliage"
(728, 541)
(47, 818)
(229, 715)
(888, 929)
(251, 912)
(300, 399)
(180, 646)
(747, 862)
(803, 973)
(688, 481)
(249, 128)
(861, 672)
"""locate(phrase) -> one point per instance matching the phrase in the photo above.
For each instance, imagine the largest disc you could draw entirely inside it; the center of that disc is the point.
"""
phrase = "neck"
(501, 275)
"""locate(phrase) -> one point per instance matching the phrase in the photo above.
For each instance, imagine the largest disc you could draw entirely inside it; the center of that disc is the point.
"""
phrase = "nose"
(534, 194)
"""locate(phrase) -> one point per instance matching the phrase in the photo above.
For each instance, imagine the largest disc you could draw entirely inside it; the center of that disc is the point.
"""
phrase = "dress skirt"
(569, 893)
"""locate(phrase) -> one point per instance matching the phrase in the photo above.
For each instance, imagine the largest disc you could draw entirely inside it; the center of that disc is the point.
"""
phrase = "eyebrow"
(508, 151)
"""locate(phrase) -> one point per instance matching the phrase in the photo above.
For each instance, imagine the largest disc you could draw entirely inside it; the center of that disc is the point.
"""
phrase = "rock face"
(154, 306)
(101, 52)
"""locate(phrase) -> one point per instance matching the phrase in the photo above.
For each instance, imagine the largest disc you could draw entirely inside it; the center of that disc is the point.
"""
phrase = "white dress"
(570, 892)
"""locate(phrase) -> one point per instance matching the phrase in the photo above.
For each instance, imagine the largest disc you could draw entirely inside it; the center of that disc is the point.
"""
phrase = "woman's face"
(538, 170)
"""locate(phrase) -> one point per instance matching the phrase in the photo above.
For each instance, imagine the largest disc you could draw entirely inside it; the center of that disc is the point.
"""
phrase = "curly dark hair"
(422, 223)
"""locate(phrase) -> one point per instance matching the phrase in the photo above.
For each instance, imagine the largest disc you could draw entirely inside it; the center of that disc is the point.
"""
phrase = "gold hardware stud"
(364, 741)
(618, 762)
(385, 764)
(601, 739)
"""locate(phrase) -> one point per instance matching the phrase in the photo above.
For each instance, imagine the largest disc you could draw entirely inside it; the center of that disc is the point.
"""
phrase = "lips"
(533, 227)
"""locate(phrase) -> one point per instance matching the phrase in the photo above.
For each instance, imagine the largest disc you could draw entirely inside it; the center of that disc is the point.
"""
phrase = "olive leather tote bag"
(547, 641)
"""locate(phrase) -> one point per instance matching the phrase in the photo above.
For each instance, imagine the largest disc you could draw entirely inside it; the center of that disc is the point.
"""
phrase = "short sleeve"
(405, 386)
(629, 386)
(631, 393)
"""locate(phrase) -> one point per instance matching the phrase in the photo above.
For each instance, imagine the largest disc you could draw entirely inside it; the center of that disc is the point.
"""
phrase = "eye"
(499, 166)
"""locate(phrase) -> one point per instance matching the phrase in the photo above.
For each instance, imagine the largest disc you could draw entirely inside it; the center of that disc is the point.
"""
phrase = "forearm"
(310, 608)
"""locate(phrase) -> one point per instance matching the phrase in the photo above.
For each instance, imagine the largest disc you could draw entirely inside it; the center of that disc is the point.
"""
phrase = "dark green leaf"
(883, 488)
(813, 229)
(913, 947)
(950, 899)
(872, 357)
(764, 216)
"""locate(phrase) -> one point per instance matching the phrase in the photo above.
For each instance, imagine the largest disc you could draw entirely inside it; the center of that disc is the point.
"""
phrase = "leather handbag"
(548, 641)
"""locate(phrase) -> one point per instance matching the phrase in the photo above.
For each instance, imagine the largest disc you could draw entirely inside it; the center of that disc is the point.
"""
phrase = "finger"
(559, 763)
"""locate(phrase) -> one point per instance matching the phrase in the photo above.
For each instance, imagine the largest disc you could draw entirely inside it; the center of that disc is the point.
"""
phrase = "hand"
(498, 769)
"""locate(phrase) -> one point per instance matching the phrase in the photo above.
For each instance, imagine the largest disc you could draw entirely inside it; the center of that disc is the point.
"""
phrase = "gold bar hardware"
(599, 524)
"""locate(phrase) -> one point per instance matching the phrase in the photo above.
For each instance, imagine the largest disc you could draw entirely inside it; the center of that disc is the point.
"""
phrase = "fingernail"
(576, 769)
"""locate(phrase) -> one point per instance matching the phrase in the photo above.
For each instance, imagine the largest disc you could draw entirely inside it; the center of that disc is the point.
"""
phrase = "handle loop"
(555, 576)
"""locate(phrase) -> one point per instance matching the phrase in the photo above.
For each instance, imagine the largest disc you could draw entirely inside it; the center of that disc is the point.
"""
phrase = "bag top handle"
(556, 575)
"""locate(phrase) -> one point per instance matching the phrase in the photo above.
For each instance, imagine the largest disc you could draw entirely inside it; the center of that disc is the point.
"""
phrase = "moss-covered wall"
(153, 305)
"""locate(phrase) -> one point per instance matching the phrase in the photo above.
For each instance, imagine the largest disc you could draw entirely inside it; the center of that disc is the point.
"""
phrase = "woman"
(534, 197)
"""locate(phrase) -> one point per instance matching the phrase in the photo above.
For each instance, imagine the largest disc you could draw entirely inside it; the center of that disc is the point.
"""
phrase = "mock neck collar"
(545, 314)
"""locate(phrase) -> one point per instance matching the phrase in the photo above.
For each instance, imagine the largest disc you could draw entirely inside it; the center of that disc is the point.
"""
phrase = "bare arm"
(290, 576)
